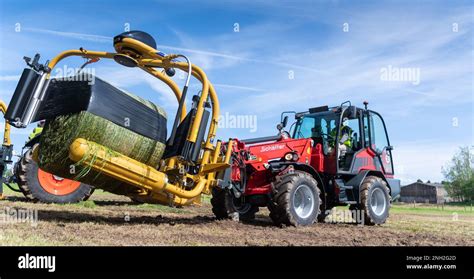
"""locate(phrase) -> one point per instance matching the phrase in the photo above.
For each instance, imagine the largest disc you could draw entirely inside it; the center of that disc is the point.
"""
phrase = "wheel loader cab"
(348, 147)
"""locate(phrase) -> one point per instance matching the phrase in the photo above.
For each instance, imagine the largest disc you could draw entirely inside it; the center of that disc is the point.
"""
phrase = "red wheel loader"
(302, 174)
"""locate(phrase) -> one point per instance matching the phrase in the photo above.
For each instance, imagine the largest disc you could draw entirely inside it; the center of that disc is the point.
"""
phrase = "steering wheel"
(328, 137)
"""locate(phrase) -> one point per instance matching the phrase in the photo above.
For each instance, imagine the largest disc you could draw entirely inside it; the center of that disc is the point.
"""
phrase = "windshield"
(316, 125)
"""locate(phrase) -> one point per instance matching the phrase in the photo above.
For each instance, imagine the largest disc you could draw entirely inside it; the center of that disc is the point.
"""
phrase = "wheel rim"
(303, 201)
(56, 185)
(378, 201)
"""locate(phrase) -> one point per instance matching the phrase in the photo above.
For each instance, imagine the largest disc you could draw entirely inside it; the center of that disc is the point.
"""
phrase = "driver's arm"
(346, 135)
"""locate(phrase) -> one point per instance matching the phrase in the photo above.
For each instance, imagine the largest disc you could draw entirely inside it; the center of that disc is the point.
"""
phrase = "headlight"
(295, 157)
(289, 156)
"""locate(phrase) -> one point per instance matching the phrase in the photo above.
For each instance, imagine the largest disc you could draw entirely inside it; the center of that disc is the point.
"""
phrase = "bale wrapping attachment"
(101, 113)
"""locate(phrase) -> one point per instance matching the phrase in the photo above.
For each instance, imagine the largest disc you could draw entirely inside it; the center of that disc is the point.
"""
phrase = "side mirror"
(283, 123)
(389, 147)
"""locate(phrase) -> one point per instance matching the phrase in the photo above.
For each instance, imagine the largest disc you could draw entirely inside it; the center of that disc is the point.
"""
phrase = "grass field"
(108, 219)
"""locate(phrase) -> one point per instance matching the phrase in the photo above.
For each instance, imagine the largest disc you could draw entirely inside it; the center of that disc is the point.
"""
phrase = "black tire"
(282, 209)
(375, 201)
(26, 172)
(224, 207)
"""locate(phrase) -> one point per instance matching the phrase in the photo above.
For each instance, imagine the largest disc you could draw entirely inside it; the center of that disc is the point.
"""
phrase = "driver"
(345, 141)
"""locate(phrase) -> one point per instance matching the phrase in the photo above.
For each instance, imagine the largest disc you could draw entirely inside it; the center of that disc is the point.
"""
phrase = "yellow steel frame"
(155, 183)
(6, 131)
(6, 134)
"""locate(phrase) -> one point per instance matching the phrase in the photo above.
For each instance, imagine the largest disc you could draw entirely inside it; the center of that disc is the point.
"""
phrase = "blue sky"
(250, 68)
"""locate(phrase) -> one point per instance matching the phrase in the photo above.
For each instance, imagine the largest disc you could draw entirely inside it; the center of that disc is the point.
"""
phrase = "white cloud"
(202, 57)
(72, 35)
(352, 64)
(236, 87)
(10, 78)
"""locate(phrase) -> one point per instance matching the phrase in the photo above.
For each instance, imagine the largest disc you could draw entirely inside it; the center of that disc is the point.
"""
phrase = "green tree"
(460, 174)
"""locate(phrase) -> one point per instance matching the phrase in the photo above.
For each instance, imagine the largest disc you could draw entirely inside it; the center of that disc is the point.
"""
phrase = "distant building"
(420, 192)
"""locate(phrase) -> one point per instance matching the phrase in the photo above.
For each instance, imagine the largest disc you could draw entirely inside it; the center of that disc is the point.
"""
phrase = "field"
(108, 219)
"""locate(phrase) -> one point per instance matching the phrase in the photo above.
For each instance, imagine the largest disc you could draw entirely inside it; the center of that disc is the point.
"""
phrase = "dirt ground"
(112, 220)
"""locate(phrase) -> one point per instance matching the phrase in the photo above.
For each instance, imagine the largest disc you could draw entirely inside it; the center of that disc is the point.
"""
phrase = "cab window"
(304, 128)
(378, 136)
(378, 140)
(354, 136)
(317, 127)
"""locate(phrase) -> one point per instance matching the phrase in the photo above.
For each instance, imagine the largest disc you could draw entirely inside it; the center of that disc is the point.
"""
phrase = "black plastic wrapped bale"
(102, 113)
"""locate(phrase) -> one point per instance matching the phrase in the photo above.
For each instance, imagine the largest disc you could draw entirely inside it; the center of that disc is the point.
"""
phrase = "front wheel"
(375, 201)
(296, 199)
(226, 206)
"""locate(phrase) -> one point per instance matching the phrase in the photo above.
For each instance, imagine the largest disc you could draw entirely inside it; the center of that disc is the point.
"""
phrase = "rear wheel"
(225, 206)
(296, 200)
(39, 185)
(375, 201)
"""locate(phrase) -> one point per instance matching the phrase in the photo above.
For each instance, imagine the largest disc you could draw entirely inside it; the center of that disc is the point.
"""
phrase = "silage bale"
(98, 113)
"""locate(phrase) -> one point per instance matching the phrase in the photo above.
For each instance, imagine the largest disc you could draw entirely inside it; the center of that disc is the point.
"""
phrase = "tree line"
(459, 175)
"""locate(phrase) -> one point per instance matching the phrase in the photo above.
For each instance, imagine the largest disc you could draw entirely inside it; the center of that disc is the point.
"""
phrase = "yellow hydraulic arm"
(6, 129)
(7, 146)
(184, 188)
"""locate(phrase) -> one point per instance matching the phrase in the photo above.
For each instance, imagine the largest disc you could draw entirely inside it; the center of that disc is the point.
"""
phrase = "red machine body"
(264, 168)
(257, 158)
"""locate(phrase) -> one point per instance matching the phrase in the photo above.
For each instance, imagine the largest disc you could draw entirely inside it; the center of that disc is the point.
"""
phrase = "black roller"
(137, 35)
(125, 60)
